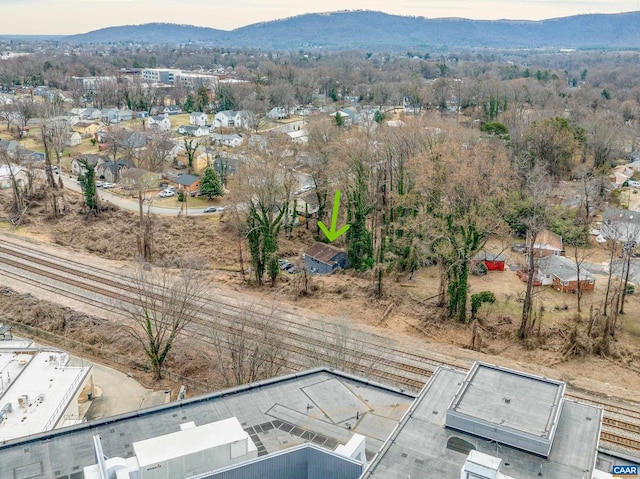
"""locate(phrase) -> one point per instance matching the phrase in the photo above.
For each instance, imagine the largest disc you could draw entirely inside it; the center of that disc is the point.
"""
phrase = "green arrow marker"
(332, 234)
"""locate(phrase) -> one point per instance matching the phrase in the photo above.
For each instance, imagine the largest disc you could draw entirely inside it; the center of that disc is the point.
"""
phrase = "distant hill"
(157, 33)
(375, 30)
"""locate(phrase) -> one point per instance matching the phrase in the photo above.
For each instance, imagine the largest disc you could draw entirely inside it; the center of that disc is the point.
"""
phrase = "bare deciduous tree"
(163, 303)
(340, 346)
(251, 348)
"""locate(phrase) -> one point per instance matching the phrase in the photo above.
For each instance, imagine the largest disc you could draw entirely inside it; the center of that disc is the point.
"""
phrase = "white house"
(231, 119)
(192, 130)
(125, 115)
(226, 140)
(91, 114)
(19, 174)
(278, 113)
(198, 118)
(160, 122)
(172, 110)
(74, 139)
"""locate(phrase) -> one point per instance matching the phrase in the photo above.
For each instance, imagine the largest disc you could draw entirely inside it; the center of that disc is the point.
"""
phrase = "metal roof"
(324, 253)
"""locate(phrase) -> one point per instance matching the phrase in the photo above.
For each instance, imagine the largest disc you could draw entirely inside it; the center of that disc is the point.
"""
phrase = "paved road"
(128, 204)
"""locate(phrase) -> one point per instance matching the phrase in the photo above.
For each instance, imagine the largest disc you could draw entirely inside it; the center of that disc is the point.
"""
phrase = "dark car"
(210, 209)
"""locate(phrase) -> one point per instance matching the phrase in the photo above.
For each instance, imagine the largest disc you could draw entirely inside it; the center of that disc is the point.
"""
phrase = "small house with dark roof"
(188, 183)
(77, 168)
(324, 258)
(493, 262)
(110, 170)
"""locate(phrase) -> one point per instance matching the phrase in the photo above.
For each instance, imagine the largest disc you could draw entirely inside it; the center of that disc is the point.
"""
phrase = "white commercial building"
(39, 391)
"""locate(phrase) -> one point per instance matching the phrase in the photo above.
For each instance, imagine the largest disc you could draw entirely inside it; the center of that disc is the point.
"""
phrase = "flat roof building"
(489, 423)
(39, 391)
(523, 421)
(319, 406)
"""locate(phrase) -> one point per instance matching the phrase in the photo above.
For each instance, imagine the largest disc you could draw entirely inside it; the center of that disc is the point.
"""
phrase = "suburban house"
(307, 205)
(493, 262)
(74, 139)
(172, 110)
(125, 115)
(109, 115)
(561, 273)
(188, 183)
(19, 174)
(353, 114)
(160, 122)
(547, 243)
(345, 117)
(226, 165)
(91, 114)
(193, 130)
(85, 128)
(77, 168)
(278, 113)
(29, 156)
(621, 225)
(620, 175)
(226, 140)
(198, 118)
(324, 258)
(110, 170)
(231, 119)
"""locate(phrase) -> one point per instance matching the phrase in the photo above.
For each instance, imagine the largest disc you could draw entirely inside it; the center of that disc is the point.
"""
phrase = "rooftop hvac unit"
(40, 398)
(23, 401)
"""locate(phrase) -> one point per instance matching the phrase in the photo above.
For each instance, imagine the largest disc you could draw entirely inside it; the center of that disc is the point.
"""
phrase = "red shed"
(493, 262)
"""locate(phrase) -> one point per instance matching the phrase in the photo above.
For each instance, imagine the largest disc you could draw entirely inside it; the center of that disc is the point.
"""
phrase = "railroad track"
(371, 356)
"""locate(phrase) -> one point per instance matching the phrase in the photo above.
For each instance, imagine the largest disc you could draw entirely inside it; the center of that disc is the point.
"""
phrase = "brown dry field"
(413, 317)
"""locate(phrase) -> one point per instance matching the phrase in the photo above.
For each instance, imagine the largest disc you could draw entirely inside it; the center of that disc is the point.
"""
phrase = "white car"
(167, 194)
(107, 185)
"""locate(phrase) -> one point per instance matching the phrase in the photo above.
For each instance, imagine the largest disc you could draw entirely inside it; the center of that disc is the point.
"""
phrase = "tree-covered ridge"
(377, 30)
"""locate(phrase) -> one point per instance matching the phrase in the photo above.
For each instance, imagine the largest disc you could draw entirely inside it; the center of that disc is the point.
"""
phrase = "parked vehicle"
(167, 194)
(195, 193)
(210, 209)
(107, 185)
(285, 265)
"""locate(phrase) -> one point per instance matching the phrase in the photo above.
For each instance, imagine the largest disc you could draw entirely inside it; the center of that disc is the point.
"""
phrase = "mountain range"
(371, 30)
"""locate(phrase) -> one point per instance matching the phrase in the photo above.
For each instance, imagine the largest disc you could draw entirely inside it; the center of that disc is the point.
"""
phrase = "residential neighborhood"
(367, 244)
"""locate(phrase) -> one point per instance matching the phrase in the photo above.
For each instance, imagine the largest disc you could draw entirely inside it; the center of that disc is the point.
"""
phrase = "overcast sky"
(79, 16)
